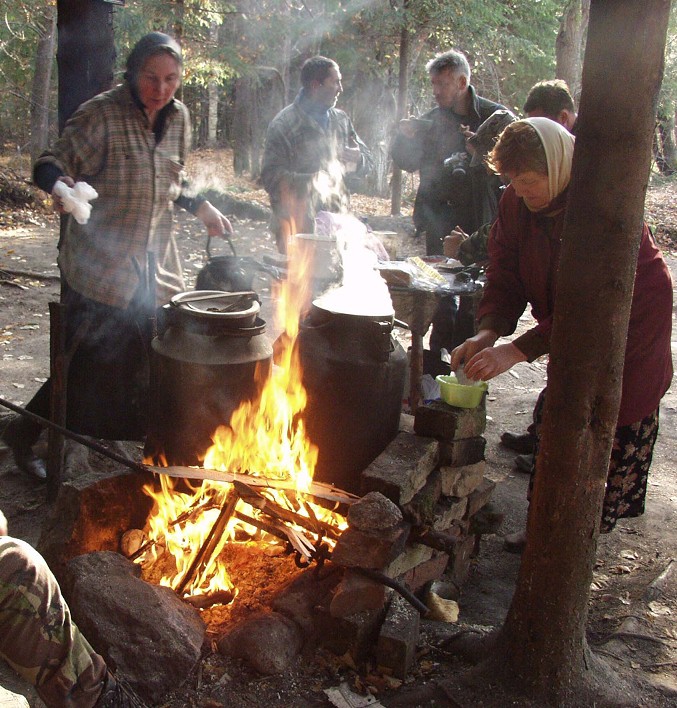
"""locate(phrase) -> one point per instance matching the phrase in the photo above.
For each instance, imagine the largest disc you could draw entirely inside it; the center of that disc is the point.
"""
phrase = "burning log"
(209, 546)
(202, 602)
(320, 490)
(258, 501)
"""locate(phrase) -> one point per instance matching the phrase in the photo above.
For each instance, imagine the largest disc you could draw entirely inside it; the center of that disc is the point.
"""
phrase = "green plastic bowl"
(460, 396)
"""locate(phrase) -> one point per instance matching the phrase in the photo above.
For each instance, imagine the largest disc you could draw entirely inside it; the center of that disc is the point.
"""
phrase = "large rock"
(373, 513)
(301, 596)
(402, 468)
(145, 632)
(98, 502)
(269, 641)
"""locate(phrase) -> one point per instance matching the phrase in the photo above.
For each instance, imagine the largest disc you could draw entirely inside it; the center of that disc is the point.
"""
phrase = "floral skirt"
(626, 481)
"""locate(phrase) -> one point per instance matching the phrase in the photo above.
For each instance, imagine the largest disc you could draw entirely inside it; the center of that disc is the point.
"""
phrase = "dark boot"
(525, 463)
(519, 442)
(20, 434)
(117, 694)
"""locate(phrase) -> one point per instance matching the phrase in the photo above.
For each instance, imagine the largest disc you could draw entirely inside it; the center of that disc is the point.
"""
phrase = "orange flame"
(265, 438)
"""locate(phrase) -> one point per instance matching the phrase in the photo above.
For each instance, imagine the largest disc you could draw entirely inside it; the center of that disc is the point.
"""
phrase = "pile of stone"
(426, 504)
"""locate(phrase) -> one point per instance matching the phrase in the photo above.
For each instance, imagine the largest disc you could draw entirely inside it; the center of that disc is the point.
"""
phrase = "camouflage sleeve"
(474, 248)
(37, 636)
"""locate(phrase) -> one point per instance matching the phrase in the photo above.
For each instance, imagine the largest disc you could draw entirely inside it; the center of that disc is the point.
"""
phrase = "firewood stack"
(424, 509)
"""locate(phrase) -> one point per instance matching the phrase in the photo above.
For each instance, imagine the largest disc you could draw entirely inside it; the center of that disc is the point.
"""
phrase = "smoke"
(362, 291)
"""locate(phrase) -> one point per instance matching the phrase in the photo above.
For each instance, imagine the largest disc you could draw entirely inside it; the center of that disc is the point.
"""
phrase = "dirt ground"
(629, 625)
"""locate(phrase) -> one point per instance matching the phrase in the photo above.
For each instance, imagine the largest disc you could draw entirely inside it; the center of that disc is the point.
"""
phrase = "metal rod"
(136, 466)
(397, 587)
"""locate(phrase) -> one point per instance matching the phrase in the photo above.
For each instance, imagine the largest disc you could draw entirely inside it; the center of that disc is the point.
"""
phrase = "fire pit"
(255, 498)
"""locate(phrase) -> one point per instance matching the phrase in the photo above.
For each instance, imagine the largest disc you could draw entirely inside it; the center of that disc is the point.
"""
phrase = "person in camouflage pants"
(38, 638)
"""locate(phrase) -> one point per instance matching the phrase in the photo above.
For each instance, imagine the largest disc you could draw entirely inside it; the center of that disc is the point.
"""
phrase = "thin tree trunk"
(569, 44)
(213, 95)
(542, 646)
(85, 53)
(403, 89)
(42, 81)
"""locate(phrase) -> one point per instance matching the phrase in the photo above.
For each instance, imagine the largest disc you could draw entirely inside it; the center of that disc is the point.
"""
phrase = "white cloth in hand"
(76, 199)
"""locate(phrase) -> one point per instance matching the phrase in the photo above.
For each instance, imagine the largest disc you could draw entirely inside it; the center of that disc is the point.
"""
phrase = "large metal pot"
(203, 366)
(354, 373)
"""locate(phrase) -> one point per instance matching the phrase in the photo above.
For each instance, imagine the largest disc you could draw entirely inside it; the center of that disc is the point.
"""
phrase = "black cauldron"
(203, 366)
(354, 373)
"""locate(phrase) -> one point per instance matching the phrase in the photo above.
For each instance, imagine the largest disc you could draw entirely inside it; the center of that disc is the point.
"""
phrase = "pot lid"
(217, 304)
(351, 306)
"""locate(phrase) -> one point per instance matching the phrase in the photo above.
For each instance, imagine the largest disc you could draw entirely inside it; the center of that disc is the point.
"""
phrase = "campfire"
(264, 545)
(266, 452)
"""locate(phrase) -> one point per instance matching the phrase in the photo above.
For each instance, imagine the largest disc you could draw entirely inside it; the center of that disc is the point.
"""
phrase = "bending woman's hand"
(217, 224)
(493, 361)
(462, 354)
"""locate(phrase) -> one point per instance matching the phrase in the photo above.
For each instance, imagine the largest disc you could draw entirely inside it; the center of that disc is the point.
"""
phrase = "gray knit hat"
(148, 45)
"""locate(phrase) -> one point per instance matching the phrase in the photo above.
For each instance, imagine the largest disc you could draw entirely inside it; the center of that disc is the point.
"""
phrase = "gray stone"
(438, 420)
(356, 593)
(356, 633)
(374, 513)
(449, 509)
(269, 641)
(396, 647)
(422, 509)
(460, 481)
(480, 496)
(143, 631)
(466, 451)
(459, 561)
(414, 554)
(402, 468)
(359, 549)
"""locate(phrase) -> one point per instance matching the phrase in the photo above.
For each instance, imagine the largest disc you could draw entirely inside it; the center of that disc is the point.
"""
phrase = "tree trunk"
(373, 110)
(258, 98)
(402, 90)
(213, 95)
(570, 43)
(42, 81)
(85, 54)
(542, 647)
(664, 144)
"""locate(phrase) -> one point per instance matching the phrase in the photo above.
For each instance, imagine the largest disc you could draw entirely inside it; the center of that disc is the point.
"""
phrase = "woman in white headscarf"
(524, 245)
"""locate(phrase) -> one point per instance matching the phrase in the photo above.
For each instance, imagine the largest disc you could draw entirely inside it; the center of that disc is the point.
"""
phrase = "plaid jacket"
(298, 148)
(109, 144)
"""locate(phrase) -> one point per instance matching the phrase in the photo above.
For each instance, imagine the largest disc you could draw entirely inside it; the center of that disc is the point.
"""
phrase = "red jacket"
(524, 252)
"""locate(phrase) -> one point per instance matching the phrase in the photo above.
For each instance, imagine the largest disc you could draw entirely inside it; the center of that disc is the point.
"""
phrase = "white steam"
(363, 291)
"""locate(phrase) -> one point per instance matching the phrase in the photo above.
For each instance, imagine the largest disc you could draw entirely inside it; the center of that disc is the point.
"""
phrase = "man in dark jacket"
(311, 151)
(435, 145)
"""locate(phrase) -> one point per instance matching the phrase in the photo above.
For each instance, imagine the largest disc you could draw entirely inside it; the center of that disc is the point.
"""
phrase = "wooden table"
(417, 306)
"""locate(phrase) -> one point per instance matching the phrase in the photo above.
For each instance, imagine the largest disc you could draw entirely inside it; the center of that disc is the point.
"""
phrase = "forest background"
(242, 61)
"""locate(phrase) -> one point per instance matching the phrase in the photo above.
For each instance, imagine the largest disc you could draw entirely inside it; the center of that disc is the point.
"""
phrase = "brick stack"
(422, 514)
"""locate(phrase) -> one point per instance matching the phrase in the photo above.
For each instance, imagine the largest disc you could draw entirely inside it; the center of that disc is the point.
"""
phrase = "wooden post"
(58, 372)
